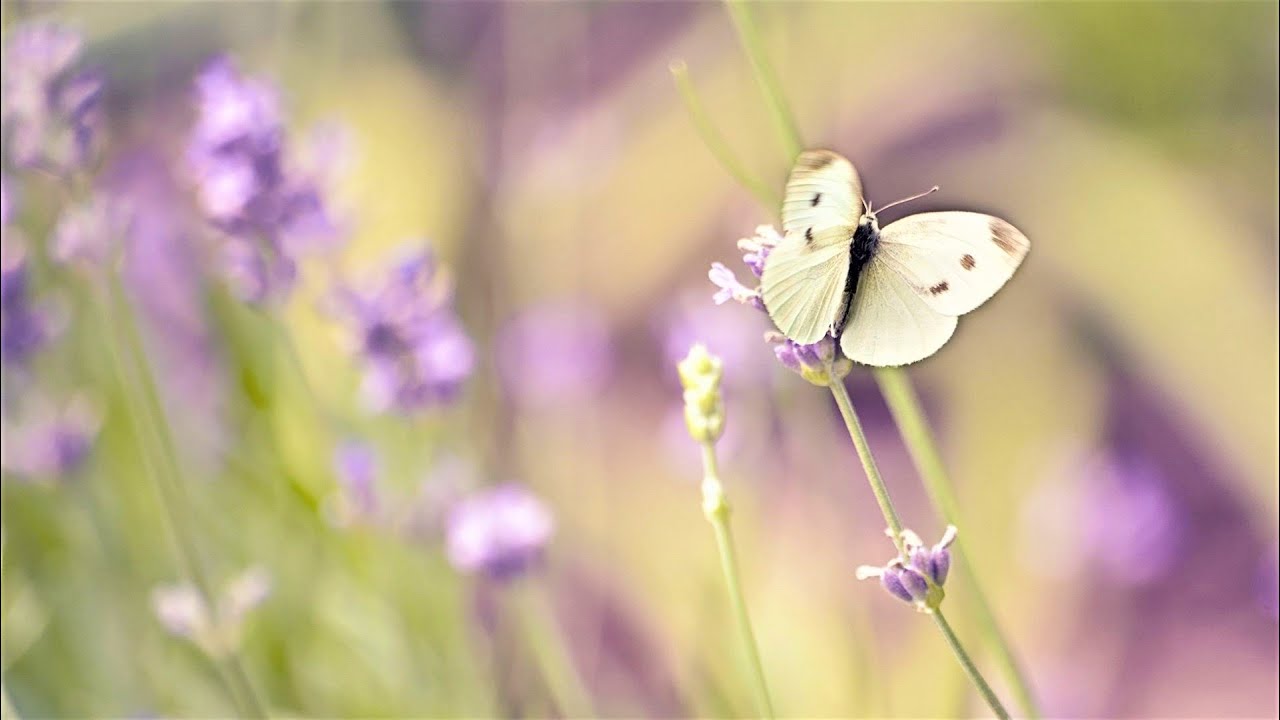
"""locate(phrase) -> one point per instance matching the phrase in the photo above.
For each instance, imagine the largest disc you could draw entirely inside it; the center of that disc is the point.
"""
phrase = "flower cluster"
(184, 612)
(919, 578)
(413, 347)
(500, 532)
(265, 211)
(25, 327)
(50, 441)
(700, 374)
(49, 109)
(820, 363)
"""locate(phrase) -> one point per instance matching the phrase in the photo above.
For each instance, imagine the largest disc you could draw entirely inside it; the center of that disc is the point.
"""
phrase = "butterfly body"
(891, 296)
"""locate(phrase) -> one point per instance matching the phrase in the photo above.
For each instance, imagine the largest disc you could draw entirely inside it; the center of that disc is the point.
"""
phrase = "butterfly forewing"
(803, 282)
(823, 191)
(954, 261)
(889, 323)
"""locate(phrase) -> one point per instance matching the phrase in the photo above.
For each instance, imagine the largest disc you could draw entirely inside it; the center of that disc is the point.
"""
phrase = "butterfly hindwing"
(889, 323)
(823, 191)
(803, 282)
(954, 261)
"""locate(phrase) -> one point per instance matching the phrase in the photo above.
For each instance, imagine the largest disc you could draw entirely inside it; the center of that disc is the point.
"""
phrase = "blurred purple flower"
(1109, 516)
(555, 353)
(1269, 583)
(500, 532)
(265, 210)
(356, 466)
(50, 113)
(6, 202)
(413, 347)
(25, 328)
(91, 234)
(50, 442)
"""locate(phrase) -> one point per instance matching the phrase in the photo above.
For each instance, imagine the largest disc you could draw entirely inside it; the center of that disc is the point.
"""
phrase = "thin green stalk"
(538, 621)
(895, 525)
(907, 413)
(717, 510)
(169, 481)
(712, 137)
(859, 439)
(749, 36)
(7, 710)
(967, 663)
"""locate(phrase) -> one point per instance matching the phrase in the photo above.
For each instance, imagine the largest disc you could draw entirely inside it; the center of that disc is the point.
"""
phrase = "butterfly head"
(868, 219)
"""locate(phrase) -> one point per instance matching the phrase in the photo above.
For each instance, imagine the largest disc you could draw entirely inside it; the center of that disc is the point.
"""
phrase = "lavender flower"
(217, 631)
(50, 112)
(554, 354)
(90, 234)
(819, 363)
(919, 578)
(50, 442)
(25, 327)
(412, 345)
(357, 470)
(500, 532)
(266, 212)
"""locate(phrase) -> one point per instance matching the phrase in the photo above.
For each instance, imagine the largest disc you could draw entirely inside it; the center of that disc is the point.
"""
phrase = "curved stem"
(969, 668)
(749, 36)
(714, 141)
(904, 405)
(538, 621)
(716, 508)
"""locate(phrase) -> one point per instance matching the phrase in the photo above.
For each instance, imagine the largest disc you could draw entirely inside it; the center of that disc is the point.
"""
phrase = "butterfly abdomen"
(866, 238)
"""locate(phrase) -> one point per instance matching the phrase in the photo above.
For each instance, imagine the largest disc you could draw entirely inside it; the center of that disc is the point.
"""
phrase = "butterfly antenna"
(930, 191)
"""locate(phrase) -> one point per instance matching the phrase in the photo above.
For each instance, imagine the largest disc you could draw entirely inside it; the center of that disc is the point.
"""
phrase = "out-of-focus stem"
(716, 508)
(7, 710)
(967, 663)
(715, 141)
(904, 405)
(547, 640)
(749, 36)
(131, 363)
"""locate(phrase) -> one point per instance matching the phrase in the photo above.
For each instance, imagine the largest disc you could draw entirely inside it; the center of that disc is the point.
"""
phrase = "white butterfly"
(892, 296)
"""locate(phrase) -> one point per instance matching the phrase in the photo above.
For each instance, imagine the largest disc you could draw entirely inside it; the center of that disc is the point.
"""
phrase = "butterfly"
(891, 296)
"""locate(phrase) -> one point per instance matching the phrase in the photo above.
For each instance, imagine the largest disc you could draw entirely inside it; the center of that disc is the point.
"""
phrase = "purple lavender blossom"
(500, 532)
(266, 211)
(50, 112)
(25, 328)
(356, 466)
(413, 347)
(50, 442)
(820, 362)
(555, 353)
(918, 575)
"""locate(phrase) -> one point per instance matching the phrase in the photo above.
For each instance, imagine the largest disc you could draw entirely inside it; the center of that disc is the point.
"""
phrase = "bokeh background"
(1110, 418)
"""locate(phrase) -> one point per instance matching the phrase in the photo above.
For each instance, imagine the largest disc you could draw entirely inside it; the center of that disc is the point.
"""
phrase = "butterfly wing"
(803, 282)
(889, 323)
(954, 261)
(823, 191)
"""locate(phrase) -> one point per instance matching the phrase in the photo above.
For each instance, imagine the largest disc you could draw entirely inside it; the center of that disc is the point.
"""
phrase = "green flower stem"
(714, 141)
(967, 663)
(546, 639)
(766, 78)
(7, 710)
(169, 481)
(716, 507)
(895, 526)
(904, 405)
(859, 439)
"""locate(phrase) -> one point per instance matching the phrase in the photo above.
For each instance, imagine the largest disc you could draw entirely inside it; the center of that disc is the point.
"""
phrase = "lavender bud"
(891, 580)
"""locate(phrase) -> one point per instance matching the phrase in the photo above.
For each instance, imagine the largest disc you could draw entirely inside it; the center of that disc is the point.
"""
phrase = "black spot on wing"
(967, 262)
(939, 288)
(808, 235)
(817, 198)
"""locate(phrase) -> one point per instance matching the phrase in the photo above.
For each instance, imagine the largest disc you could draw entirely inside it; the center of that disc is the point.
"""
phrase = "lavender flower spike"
(500, 532)
(413, 347)
(919, 578)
